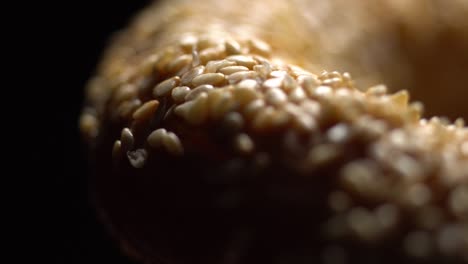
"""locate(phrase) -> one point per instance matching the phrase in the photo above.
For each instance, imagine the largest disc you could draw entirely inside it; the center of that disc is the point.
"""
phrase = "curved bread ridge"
(372, 179)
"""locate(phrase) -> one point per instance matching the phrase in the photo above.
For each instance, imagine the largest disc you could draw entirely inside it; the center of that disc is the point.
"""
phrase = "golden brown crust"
(171, 92)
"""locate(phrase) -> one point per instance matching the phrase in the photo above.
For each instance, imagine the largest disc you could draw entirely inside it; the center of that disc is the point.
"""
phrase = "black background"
(76, 34)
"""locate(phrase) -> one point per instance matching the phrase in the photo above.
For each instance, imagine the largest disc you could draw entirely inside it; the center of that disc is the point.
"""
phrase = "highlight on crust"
(376, 179)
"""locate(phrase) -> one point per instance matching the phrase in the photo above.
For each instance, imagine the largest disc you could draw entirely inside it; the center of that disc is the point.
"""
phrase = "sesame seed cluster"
(395, 176)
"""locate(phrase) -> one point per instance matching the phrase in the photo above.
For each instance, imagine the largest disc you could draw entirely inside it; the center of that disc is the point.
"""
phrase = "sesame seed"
(297, 95)
(220, 103)
(195, 112)
(377, 90)
(204, 88)
(259, 47)
(187, 78)
(233, 121)
(363, 223)
(244, 95)
(117, 150)
(400, 98)
(338, 133)
(387, 215)
(172, 144)
(275, 97)
(179, 63)
(232, 47)
(248, 84)
(288, 83)
(214, 66)
(232, 69)
(239, 76)
(323, 91)
(244, 143)
(253, 107)
(273, 83)
(213, 53)
(155, 138)
(242, 60)
(146, 111)
(89, 125)
(208, 78)
(323, 154)
(137, 158)
(126, 108)
(188, 42)
(125, 93)
(178, 94)
(166, 86)
(127, 140)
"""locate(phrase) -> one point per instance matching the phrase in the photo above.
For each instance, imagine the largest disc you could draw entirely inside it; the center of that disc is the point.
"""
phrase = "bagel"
(282, 132)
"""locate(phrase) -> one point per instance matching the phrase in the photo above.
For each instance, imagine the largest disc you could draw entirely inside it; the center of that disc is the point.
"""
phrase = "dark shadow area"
(80, 30)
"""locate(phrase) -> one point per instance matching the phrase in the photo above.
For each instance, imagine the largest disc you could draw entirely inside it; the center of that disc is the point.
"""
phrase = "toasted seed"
(146, 111)
(259, 47)
(242, 60)
(220, 103)
(309, 84)
(232, 69)
(244, 143)
(137, 158)
(323, 91)
(288, 83)
(253, 107)
(172, 144)
(195, 57)
(244, 95)
(304, 122)
(178, 94)
(89, 125)
(155, 138)
(208, 78)
(198, 112)
(204, 88)
(214, 66)
(125, 93)
(166, 86)
(278, 74)
(209, 54)
(232, 47)
(127, 139)
(188, 42)
(339, 133)
(187, 78)
(377, 90)
(248, 84)
(179, 63)
(273, 83)
(297, 95)
(126, 108)
(233, 121)
(263, 119)
(400, 98)
(240, 76)
(275, 96)
(117, 150)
